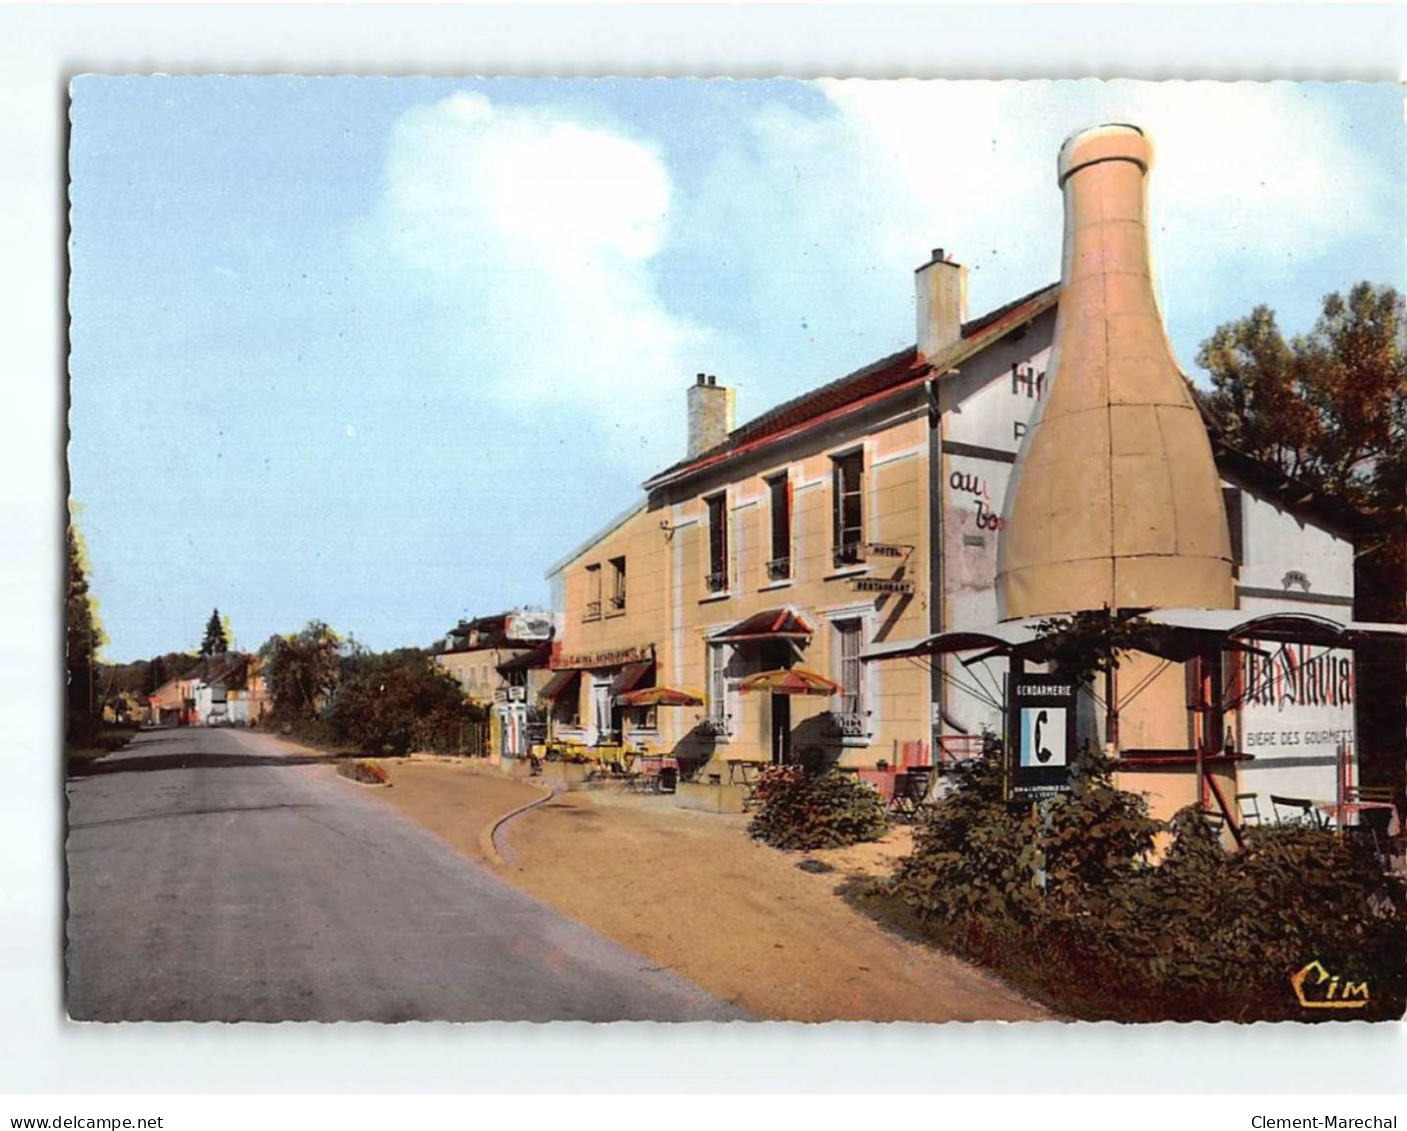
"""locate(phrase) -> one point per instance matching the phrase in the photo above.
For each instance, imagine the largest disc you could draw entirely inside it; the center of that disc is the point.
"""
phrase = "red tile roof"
(855, 390)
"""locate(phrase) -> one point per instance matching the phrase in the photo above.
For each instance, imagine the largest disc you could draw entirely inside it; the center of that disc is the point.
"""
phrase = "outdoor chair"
(1248, 804)
(911, 791)
(1374, 830)
(1296, 811)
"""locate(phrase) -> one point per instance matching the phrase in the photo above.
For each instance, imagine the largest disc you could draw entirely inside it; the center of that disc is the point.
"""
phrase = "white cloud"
(833, 210)
(536, 234)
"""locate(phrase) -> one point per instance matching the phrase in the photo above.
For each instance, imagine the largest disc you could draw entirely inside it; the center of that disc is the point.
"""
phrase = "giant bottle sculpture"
(1115, 499)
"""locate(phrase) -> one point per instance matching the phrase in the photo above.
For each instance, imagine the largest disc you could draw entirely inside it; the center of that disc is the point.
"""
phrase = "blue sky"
(380, 351)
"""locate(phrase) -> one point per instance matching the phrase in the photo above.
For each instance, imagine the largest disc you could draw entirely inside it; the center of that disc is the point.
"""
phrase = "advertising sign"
(1042, 734)
(528, 624)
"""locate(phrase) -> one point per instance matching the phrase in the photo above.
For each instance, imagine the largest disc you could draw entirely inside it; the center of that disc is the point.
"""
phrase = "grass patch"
(98, 744)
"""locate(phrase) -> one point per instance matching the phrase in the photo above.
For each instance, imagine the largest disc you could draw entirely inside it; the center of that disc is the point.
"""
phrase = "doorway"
(781, 730)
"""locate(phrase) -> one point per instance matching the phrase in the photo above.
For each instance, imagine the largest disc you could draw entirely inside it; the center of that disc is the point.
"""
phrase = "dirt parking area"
(693, 893)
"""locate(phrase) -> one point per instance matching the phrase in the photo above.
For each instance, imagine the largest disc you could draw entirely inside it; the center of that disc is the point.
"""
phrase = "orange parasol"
(791, 681)
(659, 697)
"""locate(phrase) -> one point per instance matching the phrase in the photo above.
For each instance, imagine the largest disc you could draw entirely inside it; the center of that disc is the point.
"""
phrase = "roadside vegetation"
(1068, 905)
(803, 810)
(330, 691)
(359, 770)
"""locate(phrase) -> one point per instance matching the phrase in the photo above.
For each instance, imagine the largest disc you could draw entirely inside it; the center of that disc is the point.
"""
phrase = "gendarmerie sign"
(612, 658)
(1041, 734)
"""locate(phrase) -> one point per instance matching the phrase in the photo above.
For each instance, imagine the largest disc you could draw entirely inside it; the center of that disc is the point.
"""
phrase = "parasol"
(659, 697)
(791, 681)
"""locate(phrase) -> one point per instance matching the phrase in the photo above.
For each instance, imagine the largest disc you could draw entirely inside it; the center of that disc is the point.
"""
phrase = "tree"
(82, 636)
(397, 702)
(217, 640)
(1328, 408)
(302, 670)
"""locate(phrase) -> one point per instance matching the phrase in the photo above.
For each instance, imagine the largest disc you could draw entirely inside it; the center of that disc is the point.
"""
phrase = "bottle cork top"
(1115, 141)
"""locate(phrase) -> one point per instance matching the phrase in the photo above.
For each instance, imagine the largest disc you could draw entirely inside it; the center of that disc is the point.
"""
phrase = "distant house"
(501, 661)
(227, 689)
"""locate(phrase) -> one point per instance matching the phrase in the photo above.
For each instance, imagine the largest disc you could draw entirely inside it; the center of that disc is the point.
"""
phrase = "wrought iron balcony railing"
(779, 569)
(593, 610)
(718, 581)
(849, 553)
(850, 724)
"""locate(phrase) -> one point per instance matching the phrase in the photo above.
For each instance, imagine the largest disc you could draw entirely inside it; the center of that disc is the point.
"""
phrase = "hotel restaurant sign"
(613, 658)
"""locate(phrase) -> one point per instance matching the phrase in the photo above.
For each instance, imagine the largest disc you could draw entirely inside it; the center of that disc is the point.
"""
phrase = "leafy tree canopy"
(1328, 408)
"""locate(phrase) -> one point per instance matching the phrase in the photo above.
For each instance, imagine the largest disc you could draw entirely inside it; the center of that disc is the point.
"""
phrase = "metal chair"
(911, 791)
(1301, 811)
(1248, 804)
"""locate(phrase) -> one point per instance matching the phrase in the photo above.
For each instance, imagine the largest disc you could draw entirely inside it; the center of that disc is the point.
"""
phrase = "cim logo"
(1308, 985)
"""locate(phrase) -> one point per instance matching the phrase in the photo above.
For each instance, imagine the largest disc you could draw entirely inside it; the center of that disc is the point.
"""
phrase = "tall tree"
(1329, 408)
(82, 636)
(302, 670)
(216, 640)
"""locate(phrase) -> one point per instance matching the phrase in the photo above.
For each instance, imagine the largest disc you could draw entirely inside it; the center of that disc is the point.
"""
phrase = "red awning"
(631, 676)
(785, 623)
(558, 686)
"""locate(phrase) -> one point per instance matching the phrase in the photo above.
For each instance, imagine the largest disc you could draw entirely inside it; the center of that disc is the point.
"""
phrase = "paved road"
(216, 875)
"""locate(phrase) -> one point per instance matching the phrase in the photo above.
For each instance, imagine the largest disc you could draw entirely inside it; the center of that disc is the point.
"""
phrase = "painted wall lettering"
(1024, 378)
(1298, 675)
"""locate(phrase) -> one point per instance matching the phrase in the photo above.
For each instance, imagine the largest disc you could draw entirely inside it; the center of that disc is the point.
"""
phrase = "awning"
(560, 683)
(1185, 631)
(786, 623)
(1175, 634)
(1002, 638)
(631, 676)
(539, 657)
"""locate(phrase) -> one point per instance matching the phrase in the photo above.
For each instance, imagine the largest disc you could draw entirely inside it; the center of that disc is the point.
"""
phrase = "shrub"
(1067, 904)
(801, 810)
(392, 704)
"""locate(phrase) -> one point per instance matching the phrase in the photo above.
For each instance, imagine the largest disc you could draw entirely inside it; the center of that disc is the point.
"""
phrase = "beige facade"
(612, 597)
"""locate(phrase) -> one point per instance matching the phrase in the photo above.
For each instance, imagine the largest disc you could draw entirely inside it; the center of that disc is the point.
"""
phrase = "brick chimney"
(710, 414)
(941, 291)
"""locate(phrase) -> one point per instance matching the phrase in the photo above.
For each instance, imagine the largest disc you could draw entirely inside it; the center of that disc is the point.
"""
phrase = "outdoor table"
(1346, 813)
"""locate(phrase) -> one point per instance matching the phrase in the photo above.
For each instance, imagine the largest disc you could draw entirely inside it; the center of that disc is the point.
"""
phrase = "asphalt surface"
(216, 875)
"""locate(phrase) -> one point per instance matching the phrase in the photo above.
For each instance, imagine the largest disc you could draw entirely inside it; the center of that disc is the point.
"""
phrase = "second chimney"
(941, 291)
(710, 414)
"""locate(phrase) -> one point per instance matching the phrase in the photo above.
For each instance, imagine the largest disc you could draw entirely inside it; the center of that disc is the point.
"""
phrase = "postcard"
(727, 551)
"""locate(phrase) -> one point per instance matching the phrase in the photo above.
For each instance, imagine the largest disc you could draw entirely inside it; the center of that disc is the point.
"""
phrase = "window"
(851, 713)
(717, 543)
(779, 564)
(848, 520)
(617, 584)
(718, 656)
(1231, 496)
(593, 592)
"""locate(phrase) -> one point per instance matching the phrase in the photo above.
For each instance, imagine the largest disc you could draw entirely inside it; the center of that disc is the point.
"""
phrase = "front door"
(601, 709)
(781, 730)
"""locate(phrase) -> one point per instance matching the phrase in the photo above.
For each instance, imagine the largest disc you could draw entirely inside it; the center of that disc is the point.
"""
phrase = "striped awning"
(560, 683)
(631, 676)
(786, 623)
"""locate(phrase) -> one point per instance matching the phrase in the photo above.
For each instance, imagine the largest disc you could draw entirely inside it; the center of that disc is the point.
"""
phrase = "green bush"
(1067, 905)
(394, 703)
(801, 810)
